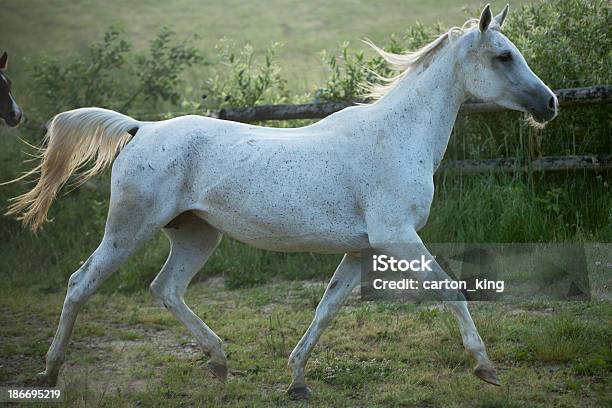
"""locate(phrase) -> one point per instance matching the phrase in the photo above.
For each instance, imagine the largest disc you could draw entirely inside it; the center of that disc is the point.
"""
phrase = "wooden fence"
(511, 165)
(593, 95)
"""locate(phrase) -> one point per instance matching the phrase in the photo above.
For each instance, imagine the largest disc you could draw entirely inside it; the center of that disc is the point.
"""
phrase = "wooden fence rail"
(600, 94)
(511, 165)
(593, 95)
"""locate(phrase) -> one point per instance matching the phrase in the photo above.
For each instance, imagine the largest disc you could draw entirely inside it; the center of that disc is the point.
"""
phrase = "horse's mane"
(408, 62)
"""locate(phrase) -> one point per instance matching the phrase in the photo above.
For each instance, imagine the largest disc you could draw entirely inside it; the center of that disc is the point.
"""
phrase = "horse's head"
(9, 110)
(495, 71)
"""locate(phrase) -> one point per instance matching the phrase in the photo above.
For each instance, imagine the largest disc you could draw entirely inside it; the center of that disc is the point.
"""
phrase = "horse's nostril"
(15, 116)
(552, 103)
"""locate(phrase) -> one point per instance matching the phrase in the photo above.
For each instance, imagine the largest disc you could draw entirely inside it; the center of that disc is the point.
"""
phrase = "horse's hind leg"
(126, 228)
(192, 242)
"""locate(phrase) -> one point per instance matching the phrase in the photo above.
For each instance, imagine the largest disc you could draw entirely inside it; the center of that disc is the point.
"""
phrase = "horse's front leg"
(409, 246)
(346, 277)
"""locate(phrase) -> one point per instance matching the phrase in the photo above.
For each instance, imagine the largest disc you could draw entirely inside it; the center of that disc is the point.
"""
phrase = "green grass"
(371, 355)
(305, 28)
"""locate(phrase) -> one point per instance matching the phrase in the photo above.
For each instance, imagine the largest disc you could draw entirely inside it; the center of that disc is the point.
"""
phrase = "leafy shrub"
(159, 71)
(245, 82)
(347, 76)
(350, 73)
(110, 75)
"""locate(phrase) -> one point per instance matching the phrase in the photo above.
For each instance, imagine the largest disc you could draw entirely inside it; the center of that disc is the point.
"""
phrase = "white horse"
(357, 180)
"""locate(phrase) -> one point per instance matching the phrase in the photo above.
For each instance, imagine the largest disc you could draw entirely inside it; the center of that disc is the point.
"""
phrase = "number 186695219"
(16, 394)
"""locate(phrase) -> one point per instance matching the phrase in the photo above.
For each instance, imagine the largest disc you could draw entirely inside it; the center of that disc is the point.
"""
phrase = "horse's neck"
(422, 108)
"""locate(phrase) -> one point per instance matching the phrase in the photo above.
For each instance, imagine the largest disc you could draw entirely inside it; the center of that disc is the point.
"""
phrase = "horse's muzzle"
(13, 118)
(544, 108)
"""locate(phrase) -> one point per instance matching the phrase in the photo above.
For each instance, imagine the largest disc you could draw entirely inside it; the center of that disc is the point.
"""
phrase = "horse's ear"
(485, 18)
(499, 19)
(4, 60)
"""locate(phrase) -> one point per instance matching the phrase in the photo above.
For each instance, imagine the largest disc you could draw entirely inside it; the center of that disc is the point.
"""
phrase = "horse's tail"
(73, 139)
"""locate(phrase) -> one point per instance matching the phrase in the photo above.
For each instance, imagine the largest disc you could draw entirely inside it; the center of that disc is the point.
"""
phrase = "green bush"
(244, 81)
(111, 75)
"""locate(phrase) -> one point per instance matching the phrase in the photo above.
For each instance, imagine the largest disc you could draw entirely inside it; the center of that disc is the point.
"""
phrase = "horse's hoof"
(487, 373)
(299, 392)
(219, 370)
(45, 380)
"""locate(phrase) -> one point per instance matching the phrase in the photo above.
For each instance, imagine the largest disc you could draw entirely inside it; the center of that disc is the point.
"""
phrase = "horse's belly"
(324, 245)
(290, 235)
(279, 194)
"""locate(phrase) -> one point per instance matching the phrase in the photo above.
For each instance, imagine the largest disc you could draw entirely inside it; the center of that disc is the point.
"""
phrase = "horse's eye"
(504, 57)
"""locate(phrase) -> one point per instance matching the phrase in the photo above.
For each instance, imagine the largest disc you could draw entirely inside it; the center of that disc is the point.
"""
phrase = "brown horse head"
(9, 110)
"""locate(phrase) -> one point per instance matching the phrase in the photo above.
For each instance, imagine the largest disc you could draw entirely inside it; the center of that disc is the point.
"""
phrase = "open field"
(304, 28)
(128, 350)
